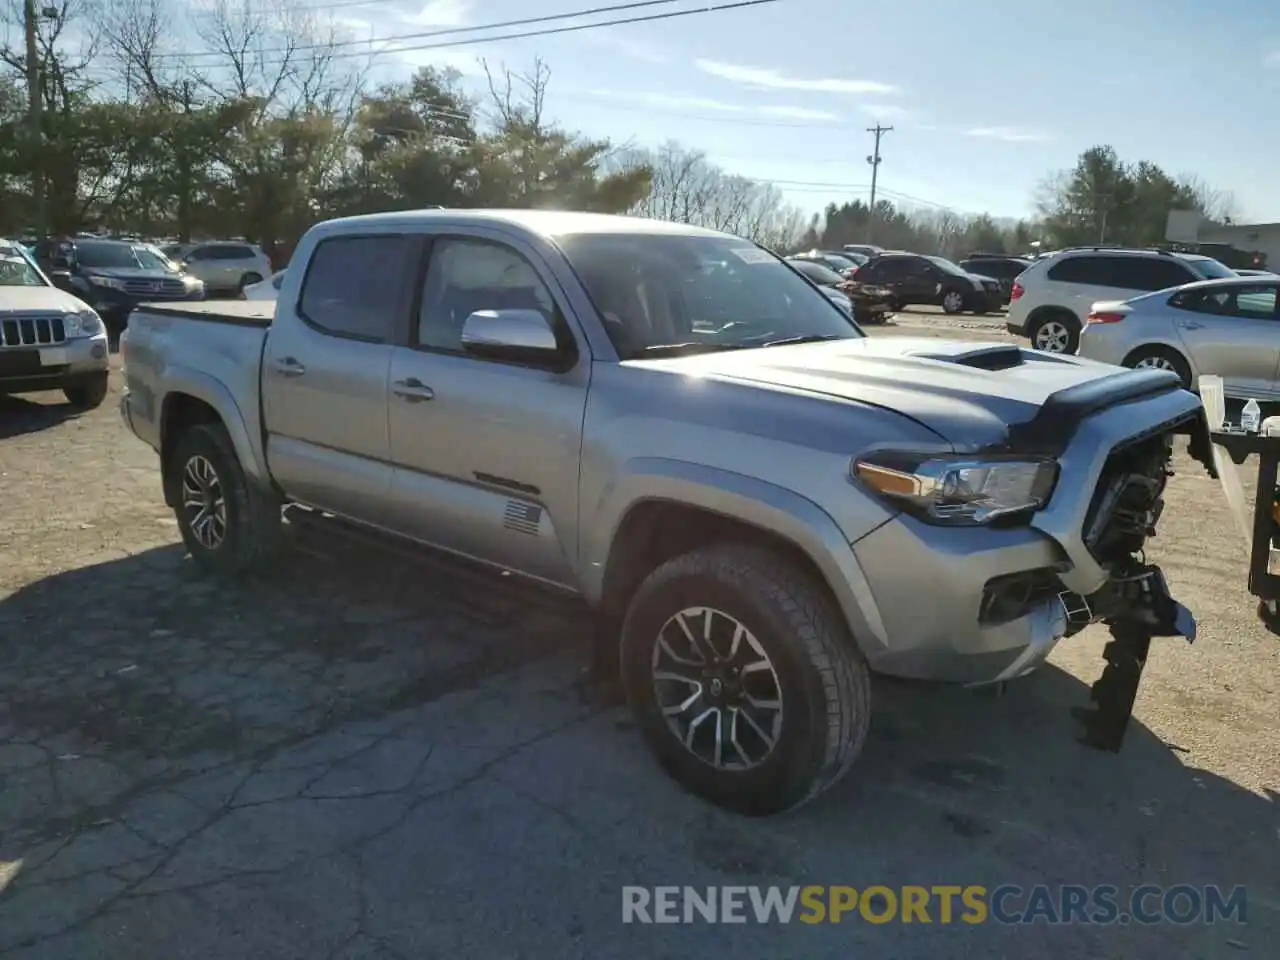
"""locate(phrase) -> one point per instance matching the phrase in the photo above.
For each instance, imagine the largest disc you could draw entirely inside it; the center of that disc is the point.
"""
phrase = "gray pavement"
(358, 755)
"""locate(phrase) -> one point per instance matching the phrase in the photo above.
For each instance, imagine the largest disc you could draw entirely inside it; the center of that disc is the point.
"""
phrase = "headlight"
(958, 490)
(86, 323)
(110, 282)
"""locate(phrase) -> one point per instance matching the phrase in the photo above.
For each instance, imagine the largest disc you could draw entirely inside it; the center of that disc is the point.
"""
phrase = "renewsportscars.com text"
(940, 903)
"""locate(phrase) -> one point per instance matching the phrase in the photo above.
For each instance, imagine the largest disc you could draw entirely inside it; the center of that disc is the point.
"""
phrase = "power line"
(452, 31)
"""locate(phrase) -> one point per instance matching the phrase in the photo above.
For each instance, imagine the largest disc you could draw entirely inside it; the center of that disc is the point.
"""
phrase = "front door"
(324, 375)
(486, 453)
(1234, 332)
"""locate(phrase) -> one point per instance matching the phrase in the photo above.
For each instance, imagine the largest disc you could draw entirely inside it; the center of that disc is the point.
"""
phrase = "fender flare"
(202, 386)
(758, 503)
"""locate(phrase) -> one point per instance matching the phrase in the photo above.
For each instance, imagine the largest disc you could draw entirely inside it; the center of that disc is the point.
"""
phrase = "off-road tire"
(824, 679)
(253, 526)
(87, 394)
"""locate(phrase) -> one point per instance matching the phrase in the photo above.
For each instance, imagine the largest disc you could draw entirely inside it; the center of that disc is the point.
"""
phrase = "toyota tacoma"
(764, 506)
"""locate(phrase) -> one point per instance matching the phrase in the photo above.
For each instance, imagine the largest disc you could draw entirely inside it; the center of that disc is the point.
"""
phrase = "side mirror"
(521, 336)
(61, 279)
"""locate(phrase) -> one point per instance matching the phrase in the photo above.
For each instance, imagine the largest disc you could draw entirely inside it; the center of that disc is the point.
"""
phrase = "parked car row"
(1185, 313)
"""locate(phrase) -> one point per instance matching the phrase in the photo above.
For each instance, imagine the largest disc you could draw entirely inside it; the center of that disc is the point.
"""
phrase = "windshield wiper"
(803, 338)
(683, 349)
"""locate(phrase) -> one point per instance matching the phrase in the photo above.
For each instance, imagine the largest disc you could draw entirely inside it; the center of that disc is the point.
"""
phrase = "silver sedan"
(1226, 327)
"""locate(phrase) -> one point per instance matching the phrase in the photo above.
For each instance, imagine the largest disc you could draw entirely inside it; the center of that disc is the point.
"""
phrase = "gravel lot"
(360, 756)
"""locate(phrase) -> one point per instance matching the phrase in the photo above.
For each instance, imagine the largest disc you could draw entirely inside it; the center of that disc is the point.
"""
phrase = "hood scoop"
(996, 357)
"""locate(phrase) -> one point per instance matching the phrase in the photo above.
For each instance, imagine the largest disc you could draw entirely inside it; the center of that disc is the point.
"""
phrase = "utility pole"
(35, 102)
(874, 160)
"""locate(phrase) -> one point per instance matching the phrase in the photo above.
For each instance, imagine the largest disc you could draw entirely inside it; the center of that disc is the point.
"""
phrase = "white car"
(267, 289)
(1052, 298)
(225, 266)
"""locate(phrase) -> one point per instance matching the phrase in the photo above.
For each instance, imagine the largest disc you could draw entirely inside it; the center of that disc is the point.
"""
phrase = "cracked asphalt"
(360, 755)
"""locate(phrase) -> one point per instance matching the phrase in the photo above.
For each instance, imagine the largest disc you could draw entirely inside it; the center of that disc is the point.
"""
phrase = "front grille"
(155, 288)
(31, 331)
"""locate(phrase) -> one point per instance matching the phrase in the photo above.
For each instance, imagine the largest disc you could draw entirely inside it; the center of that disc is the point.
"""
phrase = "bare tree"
(1215, 204)
(688, 188)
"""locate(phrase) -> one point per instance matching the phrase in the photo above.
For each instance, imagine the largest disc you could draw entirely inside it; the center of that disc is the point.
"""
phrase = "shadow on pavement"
(19, 416)
(159, 670)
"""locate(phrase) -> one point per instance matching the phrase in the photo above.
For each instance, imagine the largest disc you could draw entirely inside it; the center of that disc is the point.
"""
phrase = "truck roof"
(547, 223)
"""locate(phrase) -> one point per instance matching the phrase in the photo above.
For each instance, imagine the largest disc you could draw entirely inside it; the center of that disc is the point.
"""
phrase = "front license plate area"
(53, 356)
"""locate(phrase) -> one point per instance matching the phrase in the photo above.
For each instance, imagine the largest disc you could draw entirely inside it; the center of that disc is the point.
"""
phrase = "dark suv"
(914, 278)
(114, 276)
(999, 267)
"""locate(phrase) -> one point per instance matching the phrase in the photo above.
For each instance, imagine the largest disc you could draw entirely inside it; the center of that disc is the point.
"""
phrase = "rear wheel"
(87, 394)
(1055, 332)
(744, 679)
(1160, 358)
(228, 523)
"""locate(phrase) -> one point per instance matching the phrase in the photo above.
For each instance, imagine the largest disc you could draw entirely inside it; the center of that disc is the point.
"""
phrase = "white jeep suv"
(1052, 297)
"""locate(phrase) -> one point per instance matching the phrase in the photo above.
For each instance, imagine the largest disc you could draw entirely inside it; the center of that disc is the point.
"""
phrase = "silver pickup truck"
(764, 505)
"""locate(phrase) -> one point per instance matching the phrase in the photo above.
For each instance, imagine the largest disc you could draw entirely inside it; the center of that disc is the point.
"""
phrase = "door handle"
(289, 367)
(1188, 325)
(412, 390)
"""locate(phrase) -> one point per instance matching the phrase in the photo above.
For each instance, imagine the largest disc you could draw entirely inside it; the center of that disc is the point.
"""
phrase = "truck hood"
(38, 300)
(969, 393)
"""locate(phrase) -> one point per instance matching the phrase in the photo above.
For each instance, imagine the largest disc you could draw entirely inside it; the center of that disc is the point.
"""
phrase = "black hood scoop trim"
(998, 357)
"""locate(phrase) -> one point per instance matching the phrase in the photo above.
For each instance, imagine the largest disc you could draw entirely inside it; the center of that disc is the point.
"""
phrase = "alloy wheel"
(204, 506)
(1052, 337)
(717, 689)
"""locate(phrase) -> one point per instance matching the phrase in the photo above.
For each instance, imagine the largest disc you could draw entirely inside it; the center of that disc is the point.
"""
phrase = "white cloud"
(462, 60)
(772, 79)
(1008, 134)
(625, 45)
(709, 105)
(439, 13)
(800, 113)
(884, 111)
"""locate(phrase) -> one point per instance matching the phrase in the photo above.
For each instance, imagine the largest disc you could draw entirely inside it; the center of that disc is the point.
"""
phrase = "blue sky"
(985, 96)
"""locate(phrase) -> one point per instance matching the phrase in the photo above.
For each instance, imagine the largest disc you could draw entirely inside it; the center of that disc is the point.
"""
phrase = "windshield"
(819, 274)
(122, 256)
(713, 293)
(946, 266)
(16, 270)
(1211, 269)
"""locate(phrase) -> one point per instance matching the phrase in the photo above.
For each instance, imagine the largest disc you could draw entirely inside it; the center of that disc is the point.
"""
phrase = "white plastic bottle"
(1250, 416)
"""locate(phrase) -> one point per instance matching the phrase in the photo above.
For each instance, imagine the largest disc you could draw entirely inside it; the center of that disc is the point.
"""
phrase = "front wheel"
(87, 394)
(952, 301)
(228, 524)
(744, 679)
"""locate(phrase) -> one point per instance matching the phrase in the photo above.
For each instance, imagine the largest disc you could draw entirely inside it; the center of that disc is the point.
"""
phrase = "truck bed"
(244, 313)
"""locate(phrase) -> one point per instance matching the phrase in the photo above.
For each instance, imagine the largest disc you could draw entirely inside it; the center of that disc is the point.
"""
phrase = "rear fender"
(186, 380)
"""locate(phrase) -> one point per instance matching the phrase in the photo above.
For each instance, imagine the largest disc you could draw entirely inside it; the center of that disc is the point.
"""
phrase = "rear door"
(889, 271)
(487, 453)
(324, 374)
(1234, 332)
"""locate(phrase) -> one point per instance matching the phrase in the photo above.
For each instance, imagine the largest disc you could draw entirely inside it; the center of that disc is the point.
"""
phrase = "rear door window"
(353, 287)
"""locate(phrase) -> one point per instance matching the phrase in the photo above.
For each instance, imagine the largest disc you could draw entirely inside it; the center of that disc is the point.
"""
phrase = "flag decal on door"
(522, 517)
